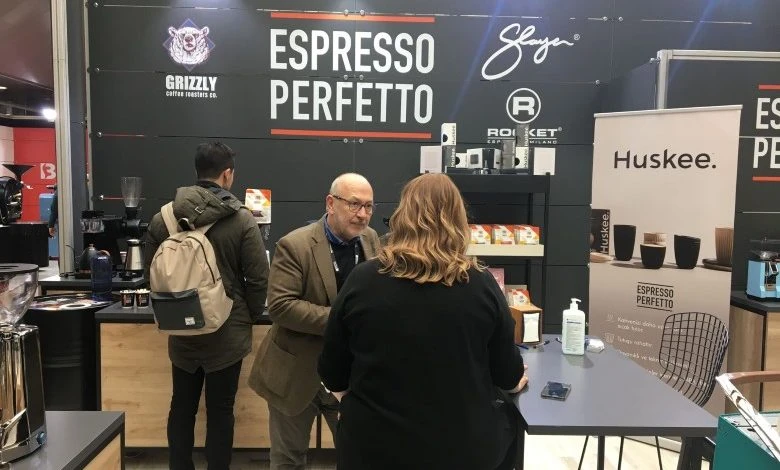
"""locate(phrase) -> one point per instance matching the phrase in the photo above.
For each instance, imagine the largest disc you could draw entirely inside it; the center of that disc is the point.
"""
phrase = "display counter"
(90, 440)
(55, 284)
(135, 377)
(754, 344)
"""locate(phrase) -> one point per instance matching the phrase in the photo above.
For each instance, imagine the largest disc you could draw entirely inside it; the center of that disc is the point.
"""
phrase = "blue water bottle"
(101, 277)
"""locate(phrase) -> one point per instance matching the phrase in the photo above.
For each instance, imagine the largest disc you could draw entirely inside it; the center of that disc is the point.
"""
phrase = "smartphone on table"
(556, 390)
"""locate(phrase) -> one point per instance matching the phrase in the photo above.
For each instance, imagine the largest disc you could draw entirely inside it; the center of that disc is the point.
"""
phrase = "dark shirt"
(421, 362)
(346, 254)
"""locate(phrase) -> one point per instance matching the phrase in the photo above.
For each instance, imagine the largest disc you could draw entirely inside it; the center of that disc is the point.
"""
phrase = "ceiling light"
(3, 88)
(49, 114)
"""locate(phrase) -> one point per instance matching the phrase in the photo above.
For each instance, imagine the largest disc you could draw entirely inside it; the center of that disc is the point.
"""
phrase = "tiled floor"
(542, 453)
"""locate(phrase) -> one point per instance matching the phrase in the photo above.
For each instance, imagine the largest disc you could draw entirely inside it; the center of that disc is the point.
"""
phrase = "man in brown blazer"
(309, 267)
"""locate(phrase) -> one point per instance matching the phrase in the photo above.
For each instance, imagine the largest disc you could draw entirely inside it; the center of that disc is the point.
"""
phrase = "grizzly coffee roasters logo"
(189, 46)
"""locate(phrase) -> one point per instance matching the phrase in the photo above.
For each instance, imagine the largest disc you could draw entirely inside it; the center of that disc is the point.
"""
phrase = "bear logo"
(188, 44)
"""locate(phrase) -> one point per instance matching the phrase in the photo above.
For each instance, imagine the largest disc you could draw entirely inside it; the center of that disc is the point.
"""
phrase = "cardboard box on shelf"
(503, 235)
(527, 234)
(481, 234)
(498, 274)
(528, 324)
(518, 296)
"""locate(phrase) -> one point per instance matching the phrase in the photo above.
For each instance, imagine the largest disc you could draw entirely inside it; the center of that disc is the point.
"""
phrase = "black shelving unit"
(503, 189)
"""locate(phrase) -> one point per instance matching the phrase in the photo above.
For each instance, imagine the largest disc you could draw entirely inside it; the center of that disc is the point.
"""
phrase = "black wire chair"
(693, 345)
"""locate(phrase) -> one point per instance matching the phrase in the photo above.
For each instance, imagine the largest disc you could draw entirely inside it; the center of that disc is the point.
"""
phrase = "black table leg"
(600, 456)
(691, 453)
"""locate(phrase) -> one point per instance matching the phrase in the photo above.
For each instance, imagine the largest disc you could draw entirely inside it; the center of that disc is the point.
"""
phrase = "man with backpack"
(215, 356)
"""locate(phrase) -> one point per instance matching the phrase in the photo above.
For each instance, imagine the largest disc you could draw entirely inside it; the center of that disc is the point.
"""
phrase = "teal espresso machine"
(763, 267)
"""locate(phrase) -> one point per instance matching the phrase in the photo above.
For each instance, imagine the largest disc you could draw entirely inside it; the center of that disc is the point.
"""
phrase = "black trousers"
(511, 430)
(221, 388)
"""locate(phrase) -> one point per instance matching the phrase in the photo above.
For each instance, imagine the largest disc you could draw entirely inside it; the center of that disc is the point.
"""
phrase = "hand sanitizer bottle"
(573, 340)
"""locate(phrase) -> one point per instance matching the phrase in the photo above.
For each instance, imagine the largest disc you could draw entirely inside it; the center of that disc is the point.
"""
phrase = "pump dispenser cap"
(574, 305)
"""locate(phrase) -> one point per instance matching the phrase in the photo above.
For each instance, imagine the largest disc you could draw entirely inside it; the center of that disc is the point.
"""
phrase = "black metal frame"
(531, 185)
(693, 346)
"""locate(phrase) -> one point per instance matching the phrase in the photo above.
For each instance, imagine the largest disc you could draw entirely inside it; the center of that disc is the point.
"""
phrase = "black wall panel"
(563, 283)
(633, 91)
(239, 106)
(147, 132)
(136, 103)
(554, 8)
(293, 5)
(388, 166)
(637, 41)
(573, 178)
(691, 84)
(295, 170)
(699, 10)
(461, 45)
(754, 196)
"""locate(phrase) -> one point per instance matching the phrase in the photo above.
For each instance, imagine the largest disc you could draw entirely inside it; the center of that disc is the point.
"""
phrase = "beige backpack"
(186, 288)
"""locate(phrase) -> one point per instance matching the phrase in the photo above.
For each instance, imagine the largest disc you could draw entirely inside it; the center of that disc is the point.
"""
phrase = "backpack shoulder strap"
(205, 228)
(170, 220)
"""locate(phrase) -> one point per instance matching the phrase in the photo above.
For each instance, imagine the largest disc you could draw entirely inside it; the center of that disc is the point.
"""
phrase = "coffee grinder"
(763, 268)
(104, 231)
(11, 193)
(22, 412)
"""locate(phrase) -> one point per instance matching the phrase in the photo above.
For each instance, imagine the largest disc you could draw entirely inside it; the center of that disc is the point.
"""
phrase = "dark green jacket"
(242, 262)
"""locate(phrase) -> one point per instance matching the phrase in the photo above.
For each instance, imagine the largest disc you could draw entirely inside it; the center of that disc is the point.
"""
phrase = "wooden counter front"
(135, 377)
(754, 344)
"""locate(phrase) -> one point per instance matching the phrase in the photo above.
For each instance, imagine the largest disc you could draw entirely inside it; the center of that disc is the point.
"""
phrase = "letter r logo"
(523, 105)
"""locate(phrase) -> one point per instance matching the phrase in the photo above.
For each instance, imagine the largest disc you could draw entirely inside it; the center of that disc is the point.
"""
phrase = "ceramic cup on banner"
(624, 237)
(655, 238)
(724, 242)
(686, 251)
(652, 255)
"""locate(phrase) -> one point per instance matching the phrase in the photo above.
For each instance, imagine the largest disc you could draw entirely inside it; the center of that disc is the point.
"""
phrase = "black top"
(347, 256)
(421, 363)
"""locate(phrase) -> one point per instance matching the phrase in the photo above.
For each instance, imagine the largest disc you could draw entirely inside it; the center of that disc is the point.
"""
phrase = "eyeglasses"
(354, 206)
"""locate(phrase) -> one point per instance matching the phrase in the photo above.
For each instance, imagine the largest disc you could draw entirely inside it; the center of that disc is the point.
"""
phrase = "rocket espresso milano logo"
(189, 46)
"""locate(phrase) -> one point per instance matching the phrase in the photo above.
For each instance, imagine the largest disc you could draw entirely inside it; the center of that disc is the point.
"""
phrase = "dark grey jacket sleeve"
(254, 264)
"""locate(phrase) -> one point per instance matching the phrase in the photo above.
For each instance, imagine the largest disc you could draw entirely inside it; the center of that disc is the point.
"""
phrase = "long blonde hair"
(429, 234)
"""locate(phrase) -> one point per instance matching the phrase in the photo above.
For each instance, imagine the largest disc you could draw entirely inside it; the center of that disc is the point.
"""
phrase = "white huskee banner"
(670, 172)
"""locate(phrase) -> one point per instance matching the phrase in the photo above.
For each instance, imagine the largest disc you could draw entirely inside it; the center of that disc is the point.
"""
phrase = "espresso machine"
(763, 268)
(22, 412)
(11, 193)
(104, 232)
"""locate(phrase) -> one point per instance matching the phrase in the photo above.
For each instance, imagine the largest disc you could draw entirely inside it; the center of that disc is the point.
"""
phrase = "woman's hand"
(523, 381)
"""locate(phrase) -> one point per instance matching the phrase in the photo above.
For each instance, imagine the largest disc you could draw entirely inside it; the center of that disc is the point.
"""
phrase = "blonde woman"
(417, 343)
